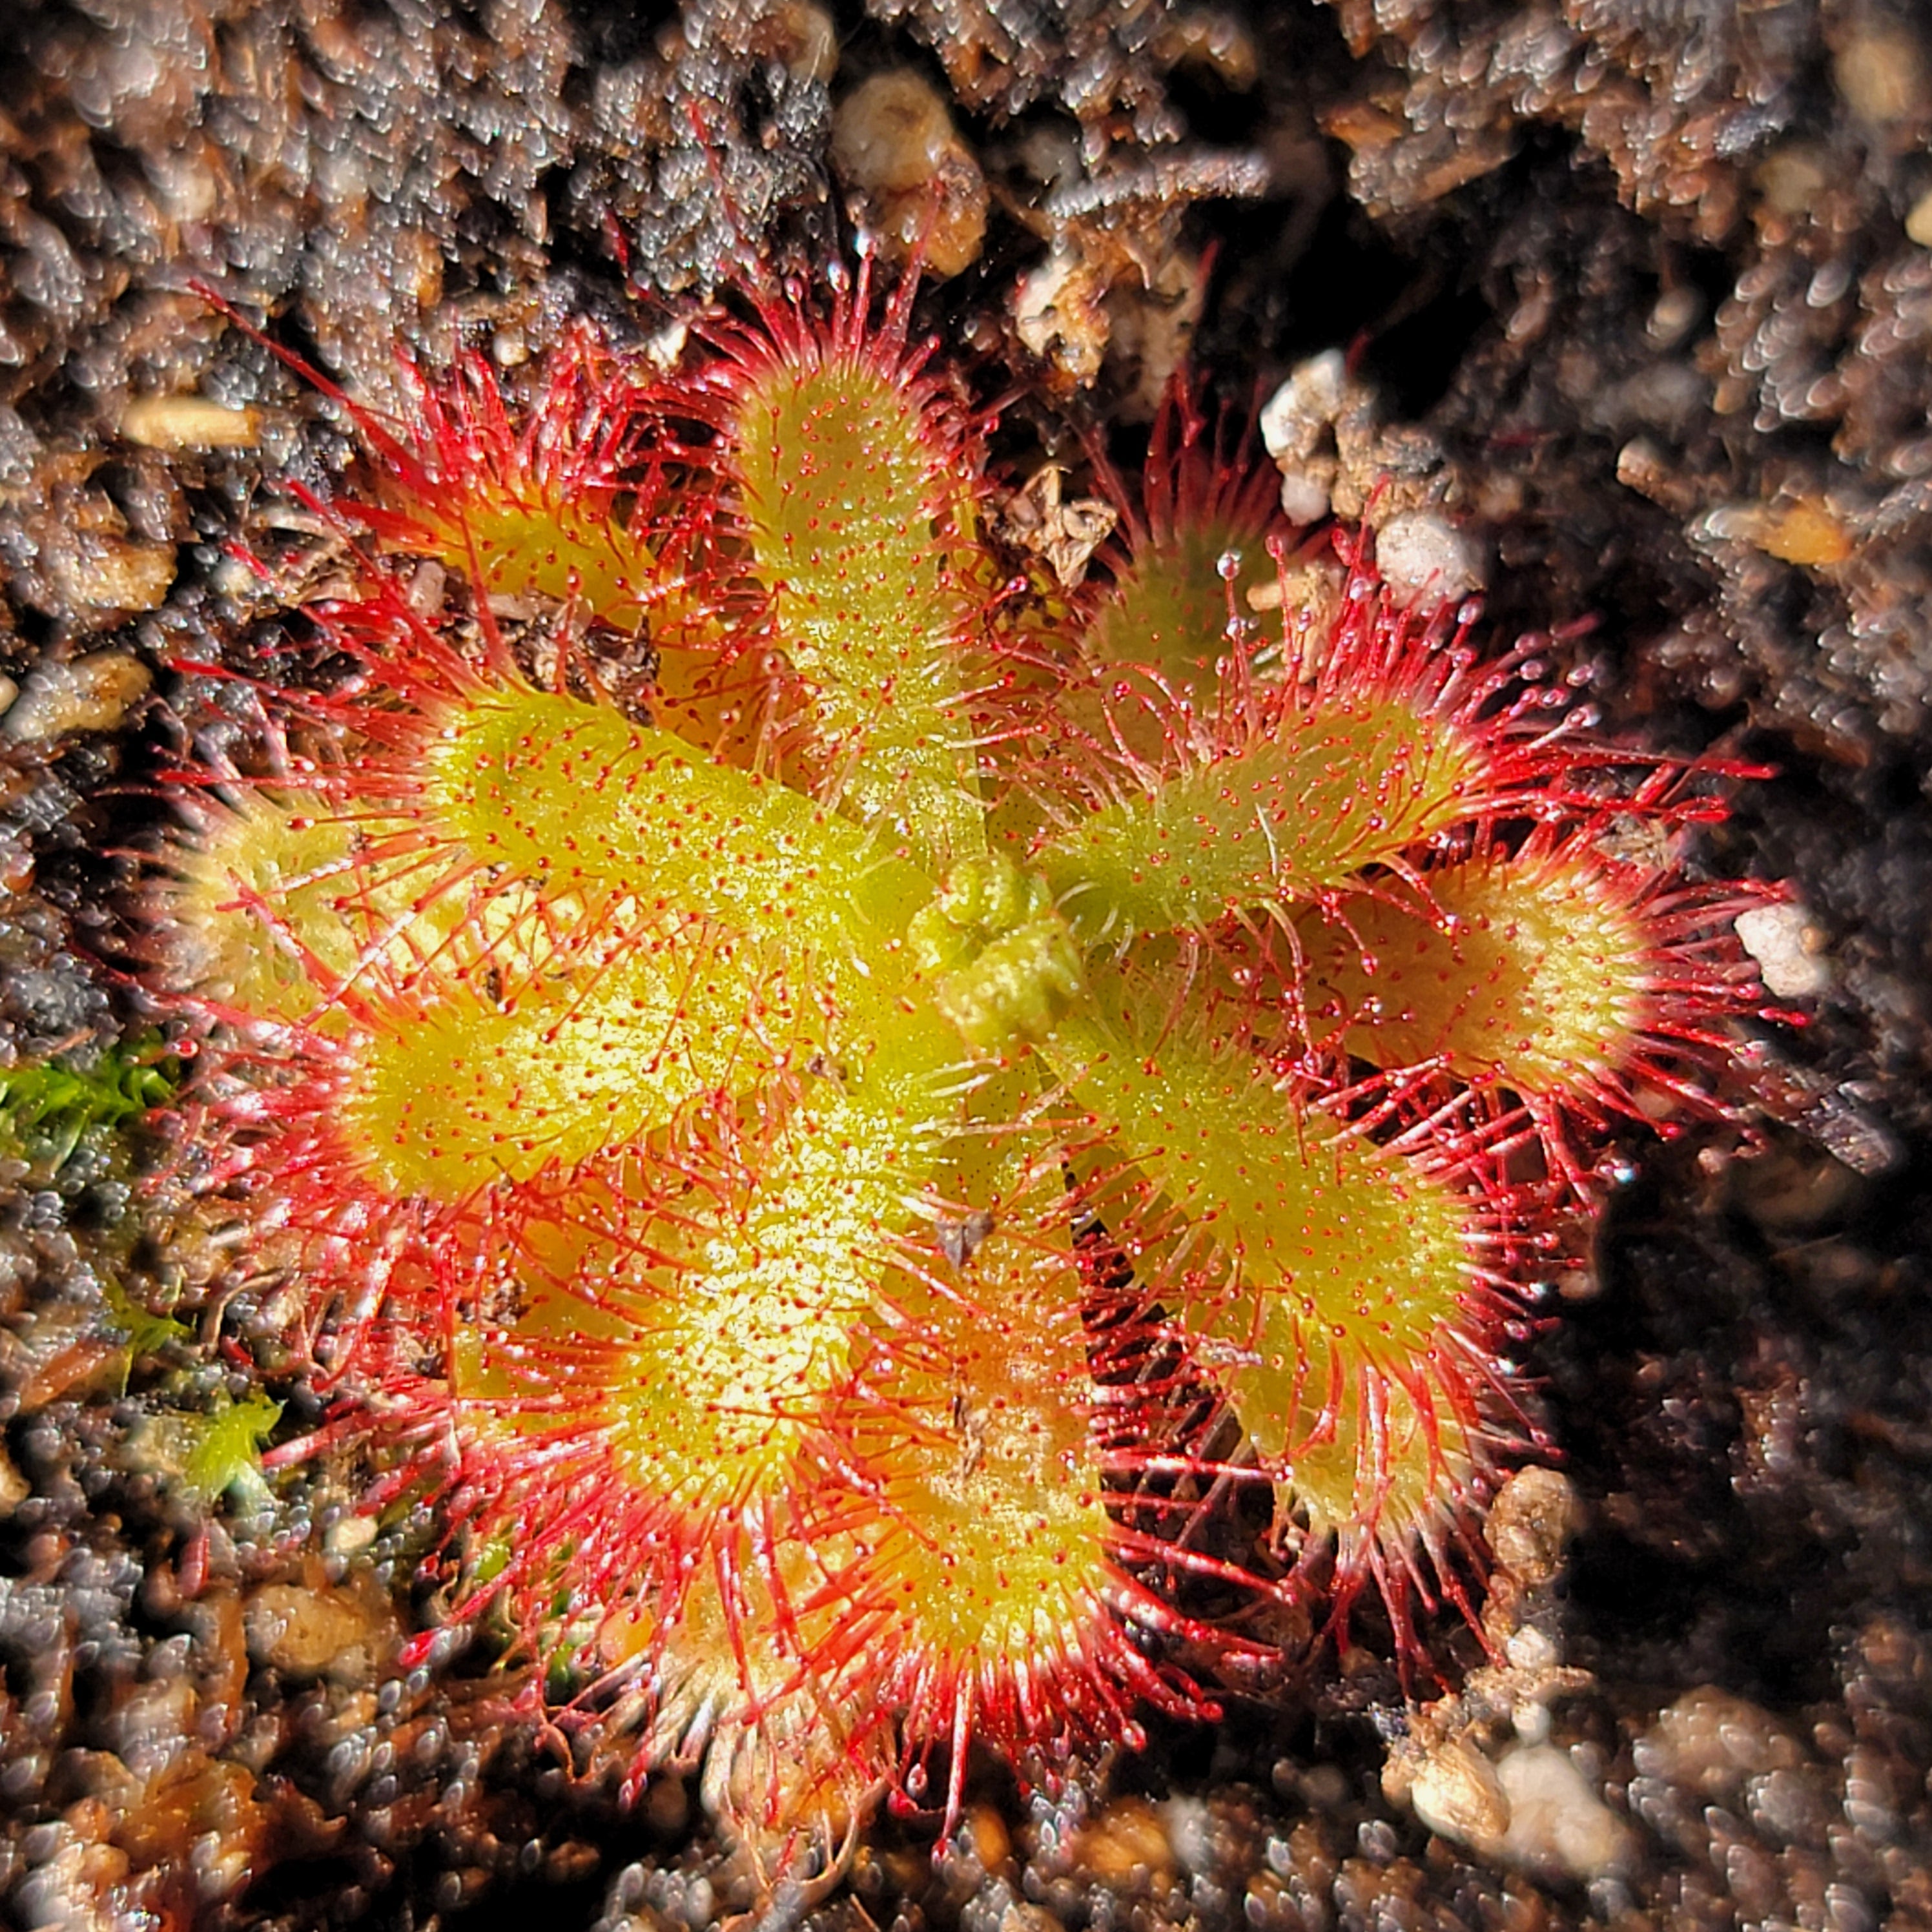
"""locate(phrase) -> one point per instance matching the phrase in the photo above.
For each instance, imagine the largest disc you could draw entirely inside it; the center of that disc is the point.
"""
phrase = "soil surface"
(1635, 299)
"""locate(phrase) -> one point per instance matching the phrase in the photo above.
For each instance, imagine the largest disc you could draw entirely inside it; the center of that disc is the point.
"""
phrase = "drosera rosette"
(680, 1112)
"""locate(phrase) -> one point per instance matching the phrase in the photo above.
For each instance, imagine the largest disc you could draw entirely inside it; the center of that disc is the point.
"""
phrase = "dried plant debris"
(1630, 306)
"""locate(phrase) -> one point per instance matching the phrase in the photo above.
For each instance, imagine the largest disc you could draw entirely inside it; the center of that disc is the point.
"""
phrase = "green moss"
(148, 1333)
(212, 1453)
(224, 1452)
(47, 1107)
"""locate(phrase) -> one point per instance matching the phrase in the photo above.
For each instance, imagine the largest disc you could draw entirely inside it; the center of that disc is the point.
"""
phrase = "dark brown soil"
(1631, 290)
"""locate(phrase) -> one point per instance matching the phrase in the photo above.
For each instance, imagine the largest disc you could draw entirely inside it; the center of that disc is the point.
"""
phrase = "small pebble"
(1295, 423)
(1805, 531)
(1530, 1522)
(306, 1632)
(349, 1535)
(1128, 1837)
(893, 139)
(1294, 417)
(1918, 222)
(1422, 553)
(1558, 1824)
(1881, 73)
(1060, 312)
(1792, 178)
(100, 572)
(809, 37)
(1304, 498)
(1674, 316)
(90, 694)
(1789, 949)
(189, 422)
(1455, 1792)
(14, 1489)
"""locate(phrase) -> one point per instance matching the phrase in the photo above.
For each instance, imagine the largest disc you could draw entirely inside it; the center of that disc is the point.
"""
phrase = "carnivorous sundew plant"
(832, 1157)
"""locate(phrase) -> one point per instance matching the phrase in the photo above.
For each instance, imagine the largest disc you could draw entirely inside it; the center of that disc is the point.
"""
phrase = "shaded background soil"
(1636, 292)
